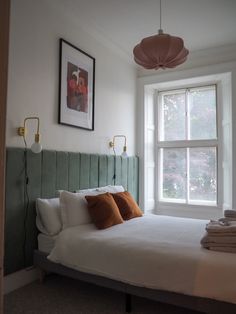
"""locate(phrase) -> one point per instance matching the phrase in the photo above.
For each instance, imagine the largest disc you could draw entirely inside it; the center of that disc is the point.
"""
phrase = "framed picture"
(76, 87)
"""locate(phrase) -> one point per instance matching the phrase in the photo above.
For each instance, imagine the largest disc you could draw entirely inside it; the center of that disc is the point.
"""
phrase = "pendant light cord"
(160, 31)
(160, 14)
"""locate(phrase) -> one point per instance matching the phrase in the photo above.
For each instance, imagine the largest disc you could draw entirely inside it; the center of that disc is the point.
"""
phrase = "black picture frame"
(76, 87)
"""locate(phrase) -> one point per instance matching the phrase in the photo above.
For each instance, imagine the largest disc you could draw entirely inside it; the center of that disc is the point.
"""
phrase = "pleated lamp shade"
(160, 51)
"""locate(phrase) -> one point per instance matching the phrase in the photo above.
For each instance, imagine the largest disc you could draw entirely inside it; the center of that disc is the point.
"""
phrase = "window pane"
(173, 117)
(202, 174)
(202, 108)
(174, 173)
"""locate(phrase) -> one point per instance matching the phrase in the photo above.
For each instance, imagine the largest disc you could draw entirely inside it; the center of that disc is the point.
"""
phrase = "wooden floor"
(60, 295)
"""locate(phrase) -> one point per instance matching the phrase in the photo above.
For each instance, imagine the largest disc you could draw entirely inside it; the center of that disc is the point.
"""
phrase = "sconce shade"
(36, 148)
(160, 51)
(124, 154)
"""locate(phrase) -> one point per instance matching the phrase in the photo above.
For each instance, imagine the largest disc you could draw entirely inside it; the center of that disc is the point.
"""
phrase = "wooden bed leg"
(42, 275)
(128, 305)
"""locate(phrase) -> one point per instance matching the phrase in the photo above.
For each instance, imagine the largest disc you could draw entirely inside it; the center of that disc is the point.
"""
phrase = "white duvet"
(157, 252)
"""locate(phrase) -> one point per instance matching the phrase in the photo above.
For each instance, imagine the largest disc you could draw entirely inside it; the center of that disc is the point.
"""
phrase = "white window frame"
(161, 144)
(147, 104)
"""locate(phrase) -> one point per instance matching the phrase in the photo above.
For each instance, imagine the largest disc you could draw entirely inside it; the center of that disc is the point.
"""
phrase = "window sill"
(189, 211)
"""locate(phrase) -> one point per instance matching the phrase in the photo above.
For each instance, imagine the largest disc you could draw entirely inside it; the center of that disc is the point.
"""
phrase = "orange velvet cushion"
(103, 210)
(127, 205)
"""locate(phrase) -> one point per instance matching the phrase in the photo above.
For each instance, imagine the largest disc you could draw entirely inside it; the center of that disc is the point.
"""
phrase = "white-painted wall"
(36, 27)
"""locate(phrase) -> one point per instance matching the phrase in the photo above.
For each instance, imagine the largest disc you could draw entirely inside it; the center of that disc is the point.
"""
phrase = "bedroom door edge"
(4, 50)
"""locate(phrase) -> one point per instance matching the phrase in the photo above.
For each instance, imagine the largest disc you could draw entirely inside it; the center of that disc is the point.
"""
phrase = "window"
(187, 166)
(187, 146)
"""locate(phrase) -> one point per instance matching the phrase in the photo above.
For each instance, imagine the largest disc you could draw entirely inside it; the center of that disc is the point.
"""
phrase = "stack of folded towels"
(221, 234)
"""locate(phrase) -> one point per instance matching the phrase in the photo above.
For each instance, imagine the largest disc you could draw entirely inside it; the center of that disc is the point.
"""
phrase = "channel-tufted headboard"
(48, 172)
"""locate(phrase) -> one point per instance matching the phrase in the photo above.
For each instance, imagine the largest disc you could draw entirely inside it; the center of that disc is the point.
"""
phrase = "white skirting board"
(19, 279)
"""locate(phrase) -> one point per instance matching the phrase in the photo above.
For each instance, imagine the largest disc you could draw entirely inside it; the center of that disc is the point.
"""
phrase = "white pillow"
(48, 219)
(74, 209)
(114, 188)
(108, 188)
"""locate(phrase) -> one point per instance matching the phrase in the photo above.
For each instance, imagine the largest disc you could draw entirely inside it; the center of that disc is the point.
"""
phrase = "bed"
(157, 257)
(51, 171)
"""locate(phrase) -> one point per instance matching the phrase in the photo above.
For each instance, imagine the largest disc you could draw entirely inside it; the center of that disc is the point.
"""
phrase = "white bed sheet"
(157, 252)
(46, 243)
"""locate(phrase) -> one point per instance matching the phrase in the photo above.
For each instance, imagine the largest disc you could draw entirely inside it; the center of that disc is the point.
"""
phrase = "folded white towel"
(223, 239)
(227, 219)
(230, 213)
(221, 226)
(223, 249)
(221, 234)
(212, 244)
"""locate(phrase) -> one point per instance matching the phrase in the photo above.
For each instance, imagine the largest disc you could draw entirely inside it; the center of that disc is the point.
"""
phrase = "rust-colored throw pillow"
(127, 205)
(103, 210)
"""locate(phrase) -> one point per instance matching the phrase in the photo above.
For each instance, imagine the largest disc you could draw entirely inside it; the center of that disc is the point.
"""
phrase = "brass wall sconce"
(112, 145)
(22, 131)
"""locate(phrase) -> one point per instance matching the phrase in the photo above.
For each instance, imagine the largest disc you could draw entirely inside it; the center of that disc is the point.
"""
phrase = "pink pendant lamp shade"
(160, 51)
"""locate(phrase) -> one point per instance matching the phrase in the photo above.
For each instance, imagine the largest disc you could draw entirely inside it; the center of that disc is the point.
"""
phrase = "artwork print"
(77, 88)
(76, 92)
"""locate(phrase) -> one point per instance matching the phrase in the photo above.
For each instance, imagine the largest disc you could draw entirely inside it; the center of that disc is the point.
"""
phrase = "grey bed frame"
(204, 305)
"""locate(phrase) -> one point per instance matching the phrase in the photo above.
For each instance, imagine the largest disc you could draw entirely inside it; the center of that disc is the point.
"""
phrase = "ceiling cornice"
(89, 27)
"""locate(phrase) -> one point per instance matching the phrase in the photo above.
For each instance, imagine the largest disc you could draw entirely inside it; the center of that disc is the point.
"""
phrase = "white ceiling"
(202, 24)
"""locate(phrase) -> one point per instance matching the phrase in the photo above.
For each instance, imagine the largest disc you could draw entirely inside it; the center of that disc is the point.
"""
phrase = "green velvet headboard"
(48, 172)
